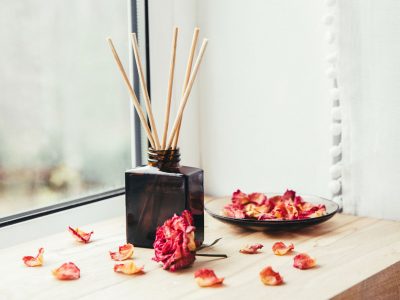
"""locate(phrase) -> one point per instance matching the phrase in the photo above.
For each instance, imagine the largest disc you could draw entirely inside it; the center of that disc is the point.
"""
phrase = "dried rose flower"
(67, 271)
(279, 248)
(124, 252)
(79, 235)
(128, 268)
(32, 261)
(175, 246)
(253, 249)
(270, 277)
(304, 261)
(207, 277)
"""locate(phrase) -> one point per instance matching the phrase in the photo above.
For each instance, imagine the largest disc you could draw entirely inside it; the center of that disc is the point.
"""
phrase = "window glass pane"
(64, 113)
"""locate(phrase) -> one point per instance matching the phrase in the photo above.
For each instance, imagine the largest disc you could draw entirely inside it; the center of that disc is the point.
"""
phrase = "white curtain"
(369, 82)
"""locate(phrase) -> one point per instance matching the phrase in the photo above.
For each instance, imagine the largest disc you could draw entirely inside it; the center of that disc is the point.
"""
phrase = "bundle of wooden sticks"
(190, 76)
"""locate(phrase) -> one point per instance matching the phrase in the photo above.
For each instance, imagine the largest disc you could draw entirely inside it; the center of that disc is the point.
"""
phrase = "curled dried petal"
(304, 261)
(67, 271)
(270, 277)
(79, 235)
(36, 261)
(253, 249)
(128, 268)
(124, 252)
(257, 198)
(279, 248)
(240, 198)
(207, 277)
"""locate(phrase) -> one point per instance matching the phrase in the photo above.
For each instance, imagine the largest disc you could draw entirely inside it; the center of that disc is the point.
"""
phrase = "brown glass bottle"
(157, 191)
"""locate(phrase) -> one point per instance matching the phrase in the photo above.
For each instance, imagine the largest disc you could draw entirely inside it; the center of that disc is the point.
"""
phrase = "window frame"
(136, 129)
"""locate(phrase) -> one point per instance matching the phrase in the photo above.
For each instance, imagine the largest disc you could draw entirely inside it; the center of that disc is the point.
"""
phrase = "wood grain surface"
(348, 249)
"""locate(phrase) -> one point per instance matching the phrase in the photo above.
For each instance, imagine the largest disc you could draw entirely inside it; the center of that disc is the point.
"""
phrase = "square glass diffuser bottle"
(157, 191)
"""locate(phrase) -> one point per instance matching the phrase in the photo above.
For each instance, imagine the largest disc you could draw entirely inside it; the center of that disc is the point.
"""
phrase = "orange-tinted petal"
(128, 268)
(251, 249)
(36, 261)
(79, 235)
(257, 198)
(304, 261)
(270, 277)
(279, 248)
(124, 252)
(207, 277)
(67, 271)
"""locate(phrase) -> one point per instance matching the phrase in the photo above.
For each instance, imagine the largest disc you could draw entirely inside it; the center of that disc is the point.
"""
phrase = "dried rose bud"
(67, 271)
(207, 277)
(270, 277)
(36, 261)
(124, 252)
(253, 249)
(128, 268)
(175, 245)
(80, 235)
(279, 248)
(304, 261)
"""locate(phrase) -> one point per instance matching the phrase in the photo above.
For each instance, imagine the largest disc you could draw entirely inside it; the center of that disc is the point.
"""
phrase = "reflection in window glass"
(64, 113)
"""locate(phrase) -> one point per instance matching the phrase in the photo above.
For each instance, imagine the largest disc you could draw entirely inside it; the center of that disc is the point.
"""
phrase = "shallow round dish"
(215, 207)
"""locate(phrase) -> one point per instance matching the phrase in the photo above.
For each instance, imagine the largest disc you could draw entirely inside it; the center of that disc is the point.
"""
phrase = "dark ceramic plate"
(215, 207)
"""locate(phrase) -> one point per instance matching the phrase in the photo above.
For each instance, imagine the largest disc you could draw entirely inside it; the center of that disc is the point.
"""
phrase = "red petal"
(289, 194)
(36, 261)
(279, 248)
(304, 261)
(67, 271)
(128, 268)
(270, 277)
(240, 198)
(124, 252)
(253, 249)
(207, 277)
(80, 235)
(258, 198)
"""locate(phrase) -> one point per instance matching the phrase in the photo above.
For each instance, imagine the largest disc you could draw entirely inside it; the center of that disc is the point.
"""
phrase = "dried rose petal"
(207, 277)
(270, 277)
(36, 261)
(304, 261)
(279, 248)
(240, 198)
(124, 252)
(257, 198)
(289, 194)
(128, 268)
(80, 235)
(67, 271)
(253, 249)
(175, 245)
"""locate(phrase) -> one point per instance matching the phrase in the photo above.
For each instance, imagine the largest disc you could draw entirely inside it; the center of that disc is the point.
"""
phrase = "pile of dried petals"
(258, 206)
(175, 246)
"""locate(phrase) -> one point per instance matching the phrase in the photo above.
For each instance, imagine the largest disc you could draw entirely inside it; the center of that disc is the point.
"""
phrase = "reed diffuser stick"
(170, 85)
(187, 91)
(144, 88)
(187, 77)
(131, 92)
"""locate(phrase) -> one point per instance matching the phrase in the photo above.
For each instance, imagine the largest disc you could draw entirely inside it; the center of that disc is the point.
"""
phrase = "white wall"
(263, 94)
(259, 117)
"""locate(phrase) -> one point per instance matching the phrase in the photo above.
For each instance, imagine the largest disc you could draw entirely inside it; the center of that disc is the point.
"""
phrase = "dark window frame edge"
(81, 201)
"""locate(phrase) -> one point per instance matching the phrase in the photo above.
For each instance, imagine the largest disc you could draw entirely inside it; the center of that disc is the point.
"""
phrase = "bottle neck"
(164, 159)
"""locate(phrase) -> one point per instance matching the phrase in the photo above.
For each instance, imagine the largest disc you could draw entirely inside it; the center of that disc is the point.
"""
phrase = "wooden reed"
(144, 88)
(131, 92)
(187, 92)
(187, 77)
(170, 85)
